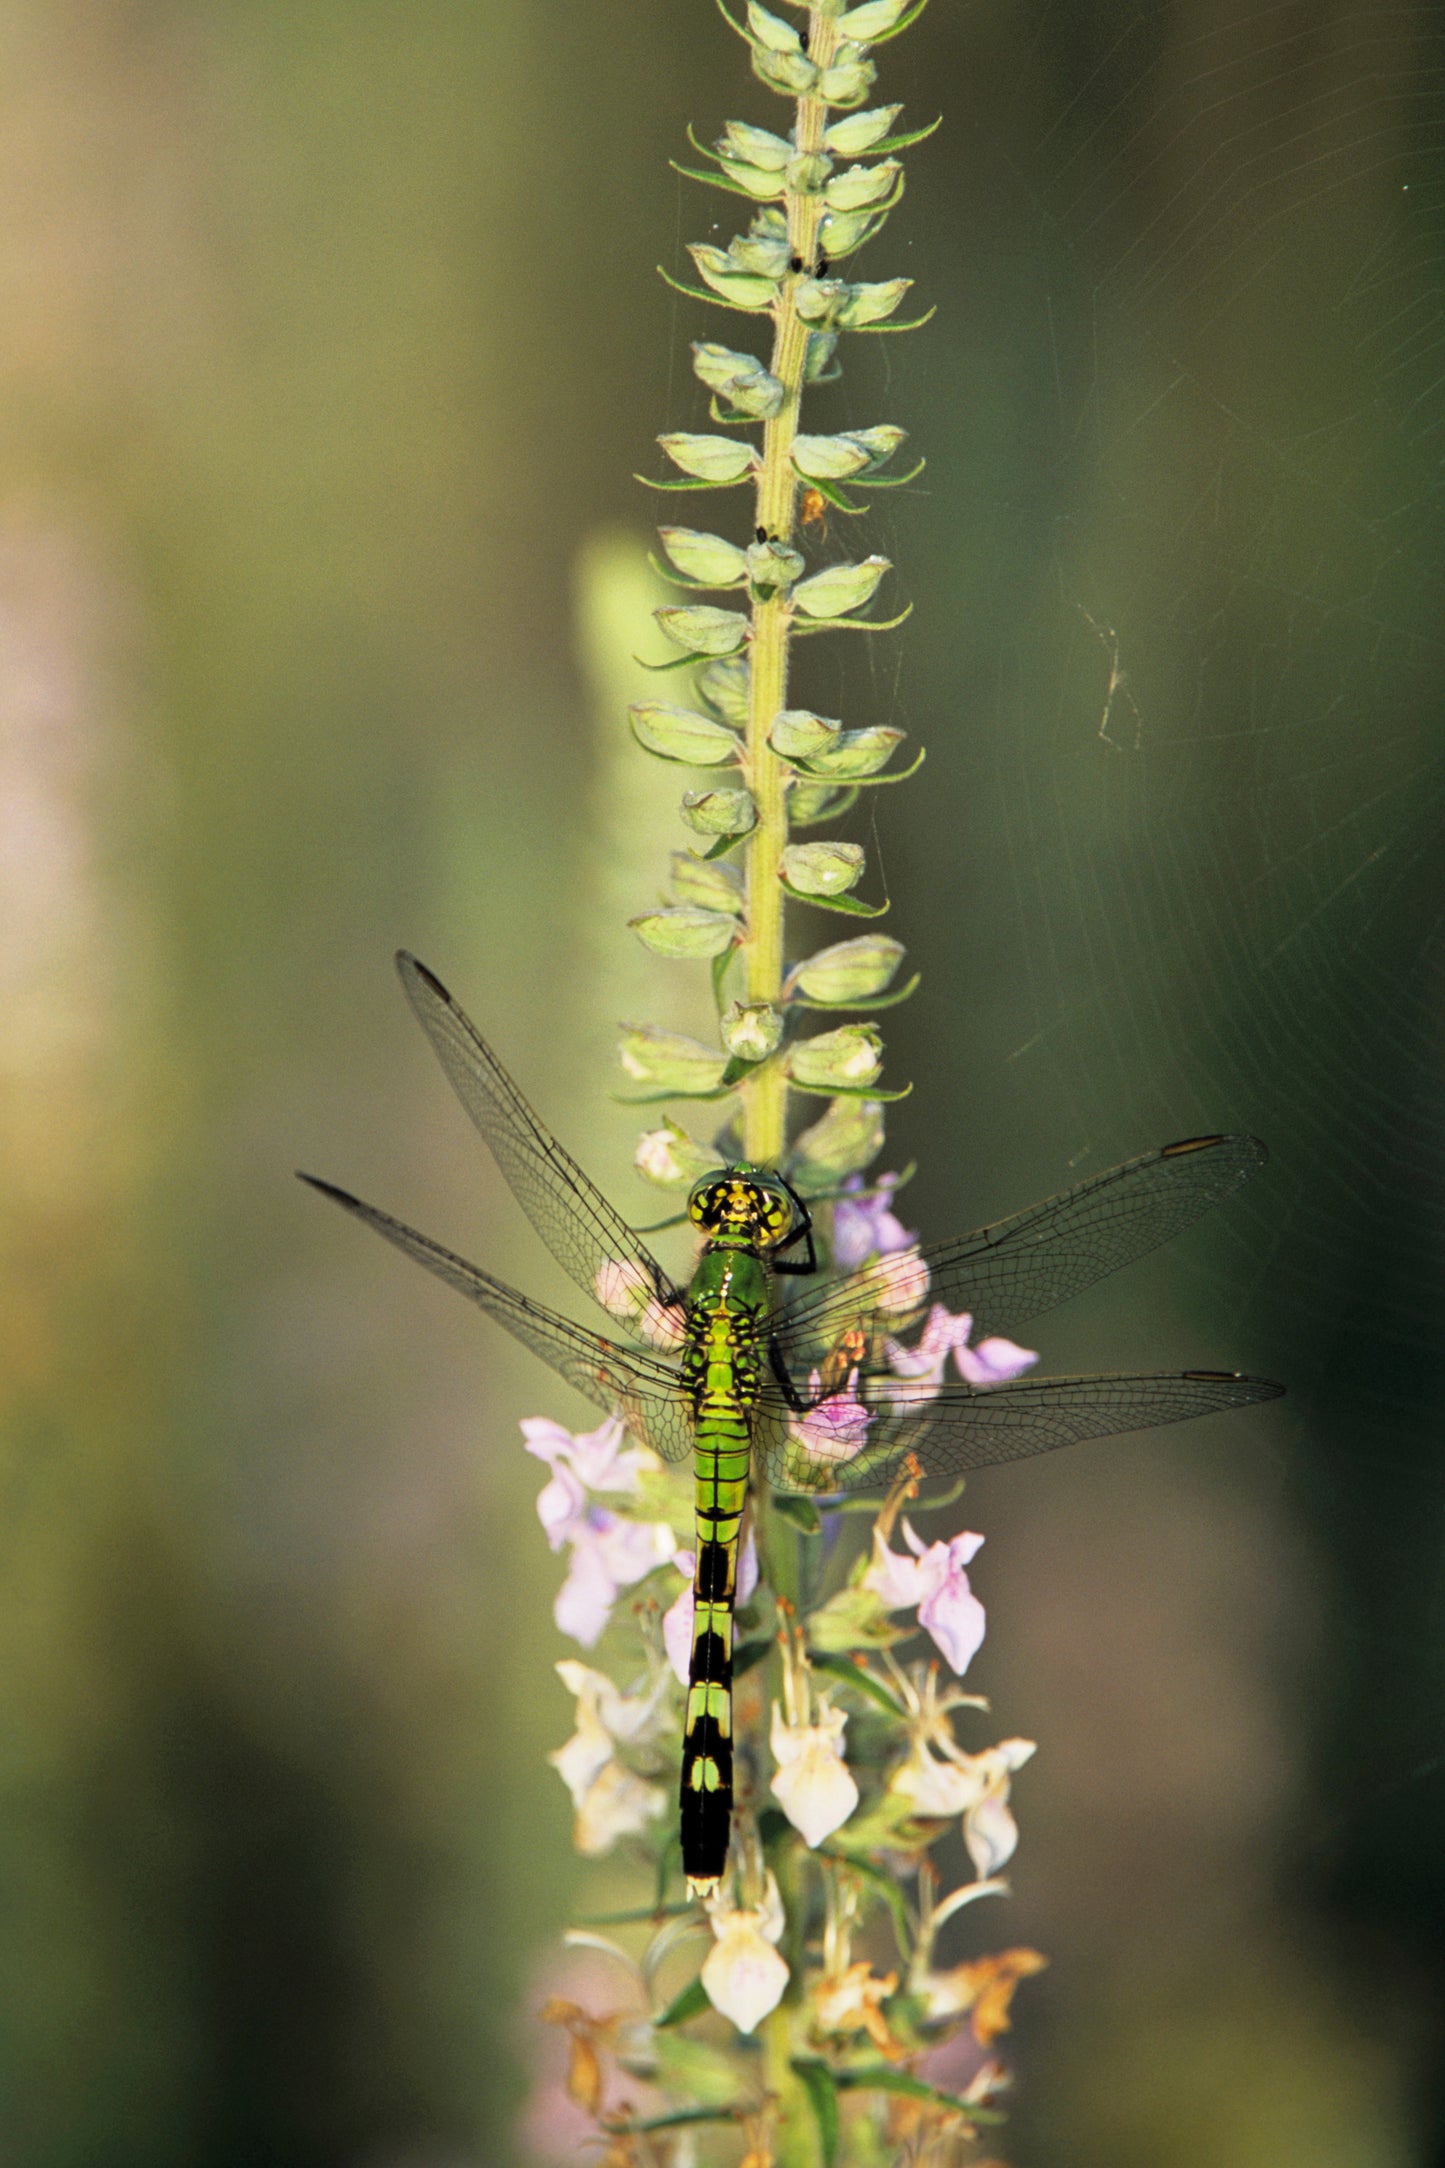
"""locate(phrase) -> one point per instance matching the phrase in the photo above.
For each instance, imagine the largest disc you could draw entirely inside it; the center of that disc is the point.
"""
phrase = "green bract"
(685, 931)
(788, 72)
(871, 20)
(723, 684)
(849, 1057)
(683, 735)
(771, 32)
(830, 459)
(719, 812)
(704, 631)
(849, 970)
(839, 589)
(759, 146)
(822, 869)
(669, 1060)
(871, 304)
(706, 558)
(856, 753)
(848, 81)
(773, 565)
(744, 286)
(860, 186)
(751, 1030)
(860, 131)
(707, 882)
(756, 181)
(712, 459)
(798, 734)
(843, 1141)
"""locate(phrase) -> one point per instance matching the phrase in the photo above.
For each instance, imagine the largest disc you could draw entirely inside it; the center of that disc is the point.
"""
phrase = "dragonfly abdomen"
(721, 1365)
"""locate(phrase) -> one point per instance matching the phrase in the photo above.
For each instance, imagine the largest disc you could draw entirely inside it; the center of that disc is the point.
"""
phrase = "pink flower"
(677, 1621)
(609, 1551)
(920, 1369)
(934, 1579)
(864, 1225)
(836, 1427)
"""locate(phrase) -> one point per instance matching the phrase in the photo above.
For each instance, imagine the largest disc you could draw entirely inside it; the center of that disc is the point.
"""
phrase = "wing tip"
(411, 967)
(1253, 1388)
(1211, 1143)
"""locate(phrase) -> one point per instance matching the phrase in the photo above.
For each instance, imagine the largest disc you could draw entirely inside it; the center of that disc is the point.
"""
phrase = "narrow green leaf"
(711, 180)
(793, 1507)
(842, 1667)
(690, 2001)
(906, 141)
(859, 331)
(743, 308)
(689, 482)
(863, 782)
(891, 481)
(850, 906)
(816, 2080)
(896, 32)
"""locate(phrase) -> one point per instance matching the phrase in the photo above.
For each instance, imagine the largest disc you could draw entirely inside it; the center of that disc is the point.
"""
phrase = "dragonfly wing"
(642, 1386)
(589, 1240)
(1019, 1267)
(962, 1428)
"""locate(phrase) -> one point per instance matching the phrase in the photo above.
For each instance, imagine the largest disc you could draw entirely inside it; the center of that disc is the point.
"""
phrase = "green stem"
(766, 1096)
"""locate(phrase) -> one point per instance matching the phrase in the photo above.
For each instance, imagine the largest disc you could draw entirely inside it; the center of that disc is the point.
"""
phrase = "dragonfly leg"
(802, 1231)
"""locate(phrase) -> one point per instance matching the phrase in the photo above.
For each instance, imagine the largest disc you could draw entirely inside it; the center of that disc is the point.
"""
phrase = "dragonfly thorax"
(743, 1205)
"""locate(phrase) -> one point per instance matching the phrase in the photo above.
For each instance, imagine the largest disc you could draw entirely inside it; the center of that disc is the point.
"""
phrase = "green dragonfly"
(805, 1392)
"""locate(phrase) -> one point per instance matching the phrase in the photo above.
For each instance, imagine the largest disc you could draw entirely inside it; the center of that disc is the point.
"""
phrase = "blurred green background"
(330, 341)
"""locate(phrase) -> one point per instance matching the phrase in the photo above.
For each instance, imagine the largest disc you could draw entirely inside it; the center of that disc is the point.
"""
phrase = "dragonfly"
(799, 1387)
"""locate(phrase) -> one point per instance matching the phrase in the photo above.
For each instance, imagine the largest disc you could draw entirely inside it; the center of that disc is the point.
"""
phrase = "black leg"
(802, 1231)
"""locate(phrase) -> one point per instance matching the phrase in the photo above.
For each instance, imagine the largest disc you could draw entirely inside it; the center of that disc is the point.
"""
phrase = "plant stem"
(766, 1096)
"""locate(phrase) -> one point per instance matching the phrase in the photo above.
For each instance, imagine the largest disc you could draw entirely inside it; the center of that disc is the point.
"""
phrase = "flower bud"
(850, 1056)
(829, 459)
(771, 32)
(842, 1141)
(711, 459)
(772, 565)
(757, 395)
(706, 558)
(822, 869)
(708, 882)
(704, 631)
(723, 684)
(670, 1060)
(746, 287)
(860, 187)
(843, 231)
(856, 753)
(871, 304)
(881, 441)
(759, 254)
(839, 588)
(719, 812)
(822, 346)
(671, 1158)
(809, 803)
(798, 734)
(793, 74)
(849, 970)
(754, 181)
(860, 131)
(820, 301)
(686, 931)
(751, 1030)
(683, 735)
(871, 20)
(718, 365)
(759, 146)
(848, 81)
(807, 175)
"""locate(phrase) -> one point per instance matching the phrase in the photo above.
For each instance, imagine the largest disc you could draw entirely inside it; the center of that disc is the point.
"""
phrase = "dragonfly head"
(745, 1202)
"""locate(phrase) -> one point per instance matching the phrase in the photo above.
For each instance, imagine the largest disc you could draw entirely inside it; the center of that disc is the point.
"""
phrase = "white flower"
(744, 1976)
(610, 1800)
(608, 1554)
(899, 1282)
(813, 1786)
(973, 1785)
(934, 1579)
(626, 1292)
(677, 1619)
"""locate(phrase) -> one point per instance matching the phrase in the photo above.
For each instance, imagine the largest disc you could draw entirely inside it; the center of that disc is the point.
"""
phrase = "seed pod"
(706, 558)
(839, 588)
(681, 734)
(822, 869)
(708, 882)
(685, 931)
(751, 1030)
(719, 812)
(850, 1056)
(711, 459)
(704, 631)
(669, 1059)
(860, 131)
(848, 970)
